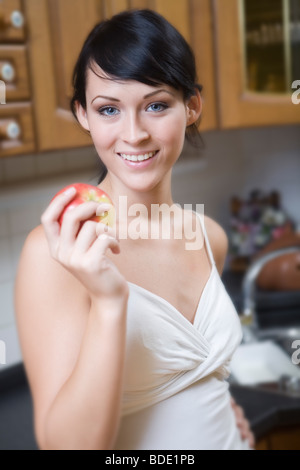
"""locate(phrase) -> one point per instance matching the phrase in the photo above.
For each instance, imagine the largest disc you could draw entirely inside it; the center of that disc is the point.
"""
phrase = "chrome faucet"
(249, 315)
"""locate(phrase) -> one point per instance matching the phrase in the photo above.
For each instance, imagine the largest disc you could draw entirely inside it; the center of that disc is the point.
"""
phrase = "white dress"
(175, 390)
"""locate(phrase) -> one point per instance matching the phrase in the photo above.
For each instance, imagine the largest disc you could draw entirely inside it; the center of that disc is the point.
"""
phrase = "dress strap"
(208, 247)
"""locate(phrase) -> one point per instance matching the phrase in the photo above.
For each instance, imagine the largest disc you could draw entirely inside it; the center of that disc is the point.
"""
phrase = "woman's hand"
(242, 423)
(81, 248)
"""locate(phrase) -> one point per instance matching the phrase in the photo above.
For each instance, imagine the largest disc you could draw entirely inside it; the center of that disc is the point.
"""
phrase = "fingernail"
(102, 208)
(70, 191)
(102, 213)
(105, 236)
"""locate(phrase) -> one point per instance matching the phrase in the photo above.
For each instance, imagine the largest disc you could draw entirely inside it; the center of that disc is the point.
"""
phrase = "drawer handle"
(10, 131)
(16, 20)
(7, 71)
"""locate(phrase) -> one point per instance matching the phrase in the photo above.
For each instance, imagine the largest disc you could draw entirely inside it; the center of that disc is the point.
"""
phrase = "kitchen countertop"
(264, 410)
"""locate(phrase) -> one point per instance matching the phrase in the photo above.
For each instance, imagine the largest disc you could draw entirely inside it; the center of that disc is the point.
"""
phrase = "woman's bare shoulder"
(36, 246)
(38, 268)
(35, 256)
(218, 241)
(36, 239)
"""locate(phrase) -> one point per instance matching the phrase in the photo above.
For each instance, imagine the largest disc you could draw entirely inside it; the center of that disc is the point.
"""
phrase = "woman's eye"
(157, 107)
(108, 111)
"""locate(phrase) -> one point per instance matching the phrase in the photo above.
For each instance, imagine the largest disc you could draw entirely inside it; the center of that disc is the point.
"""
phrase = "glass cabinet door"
(258, 61)
(271, 44)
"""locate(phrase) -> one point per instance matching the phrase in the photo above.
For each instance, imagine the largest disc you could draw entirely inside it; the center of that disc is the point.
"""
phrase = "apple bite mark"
(85, 193)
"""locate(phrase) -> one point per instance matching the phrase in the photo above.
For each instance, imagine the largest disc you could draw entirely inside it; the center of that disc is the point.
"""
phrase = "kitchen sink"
(262, 362)
(270, 362)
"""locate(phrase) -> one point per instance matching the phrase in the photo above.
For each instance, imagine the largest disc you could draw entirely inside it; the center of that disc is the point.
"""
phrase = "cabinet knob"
(9, 130)
(7, 71)
(15, 20)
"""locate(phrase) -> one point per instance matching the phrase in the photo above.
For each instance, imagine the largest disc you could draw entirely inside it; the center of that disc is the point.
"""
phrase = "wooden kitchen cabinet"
(12, 24)
(56, 30)
(257, 55)
(41, 44)
(14, 72)
(281, 438)
(17, 133)
(16, 129)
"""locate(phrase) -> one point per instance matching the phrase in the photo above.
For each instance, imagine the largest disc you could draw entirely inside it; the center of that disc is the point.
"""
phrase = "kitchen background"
(250, 127)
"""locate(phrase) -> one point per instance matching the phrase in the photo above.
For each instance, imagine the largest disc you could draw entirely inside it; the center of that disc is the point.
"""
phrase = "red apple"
(87, 192)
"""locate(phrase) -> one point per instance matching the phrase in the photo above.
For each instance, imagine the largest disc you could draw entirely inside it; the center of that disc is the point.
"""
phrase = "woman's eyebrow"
(110, 98)
(158, 91)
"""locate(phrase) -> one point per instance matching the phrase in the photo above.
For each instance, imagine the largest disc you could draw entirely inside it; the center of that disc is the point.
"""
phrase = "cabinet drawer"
(16, 129)
(12, 21)
(14, 72)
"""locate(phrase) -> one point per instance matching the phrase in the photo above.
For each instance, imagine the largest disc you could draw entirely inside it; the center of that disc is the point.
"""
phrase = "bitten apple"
(86, 192)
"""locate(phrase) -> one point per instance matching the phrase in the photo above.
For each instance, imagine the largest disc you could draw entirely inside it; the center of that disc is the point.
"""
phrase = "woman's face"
(138, 130)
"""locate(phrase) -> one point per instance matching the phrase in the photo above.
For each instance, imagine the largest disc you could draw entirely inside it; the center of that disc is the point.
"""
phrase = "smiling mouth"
(138, 158)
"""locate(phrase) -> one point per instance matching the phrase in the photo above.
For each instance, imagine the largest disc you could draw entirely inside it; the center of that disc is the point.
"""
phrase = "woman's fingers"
(86, 237)
(74, 218)
(51, 215)
(62, 238)
(79, 243)
(244, 426)
(102, 228)
(103, 242)
(89, 232)
(58, 204)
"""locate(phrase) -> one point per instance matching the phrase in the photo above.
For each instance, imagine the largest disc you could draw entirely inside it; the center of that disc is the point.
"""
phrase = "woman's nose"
(134, 131)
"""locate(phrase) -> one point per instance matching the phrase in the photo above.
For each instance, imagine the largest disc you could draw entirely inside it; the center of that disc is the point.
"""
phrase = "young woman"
(126, 341)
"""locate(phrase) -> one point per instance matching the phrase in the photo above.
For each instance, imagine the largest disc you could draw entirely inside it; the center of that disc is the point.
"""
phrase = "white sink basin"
(261, 362)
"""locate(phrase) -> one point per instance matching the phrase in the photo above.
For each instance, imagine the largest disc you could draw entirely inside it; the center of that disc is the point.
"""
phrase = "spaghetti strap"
(209, 250)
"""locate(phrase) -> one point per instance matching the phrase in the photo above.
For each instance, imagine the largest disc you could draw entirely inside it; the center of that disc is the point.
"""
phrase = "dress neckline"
(171, 306)
(205, 288)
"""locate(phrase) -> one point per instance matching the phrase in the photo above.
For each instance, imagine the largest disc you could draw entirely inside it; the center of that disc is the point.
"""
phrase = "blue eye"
(157, 107)
(108, 111)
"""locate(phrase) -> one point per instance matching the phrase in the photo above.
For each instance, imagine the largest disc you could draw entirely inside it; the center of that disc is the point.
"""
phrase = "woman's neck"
(125, 196)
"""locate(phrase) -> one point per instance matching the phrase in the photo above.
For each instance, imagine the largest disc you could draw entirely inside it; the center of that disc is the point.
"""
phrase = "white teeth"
(137, 158)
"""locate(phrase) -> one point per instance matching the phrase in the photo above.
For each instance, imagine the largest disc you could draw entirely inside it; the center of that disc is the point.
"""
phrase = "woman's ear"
(194, 108)
(81, 116)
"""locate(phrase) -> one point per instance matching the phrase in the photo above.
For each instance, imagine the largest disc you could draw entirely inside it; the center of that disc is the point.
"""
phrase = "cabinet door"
(56, 30)
(202, 41)
(14, 72)
(12, 24)
(249, 94)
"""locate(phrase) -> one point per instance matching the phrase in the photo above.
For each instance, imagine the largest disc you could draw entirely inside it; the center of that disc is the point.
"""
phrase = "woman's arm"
(72, 339)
